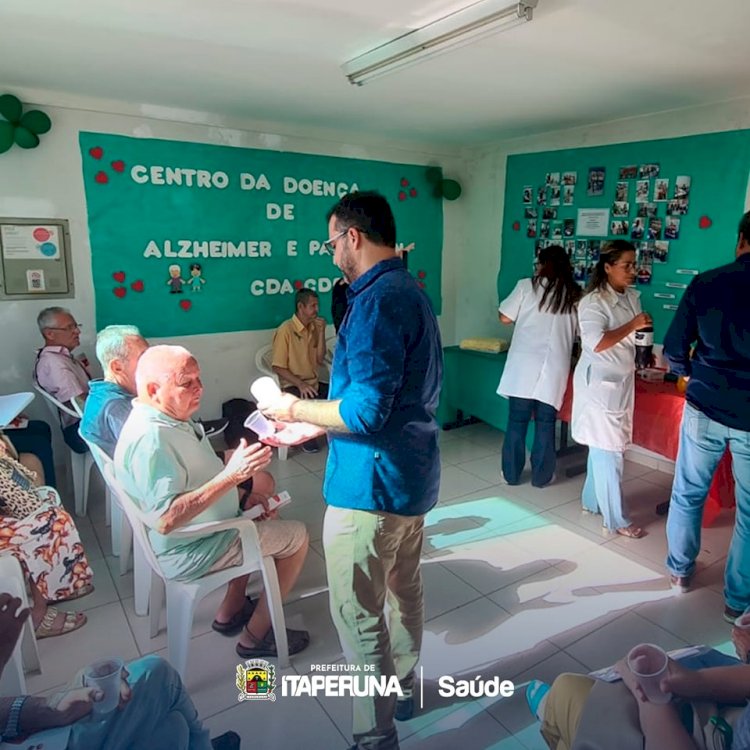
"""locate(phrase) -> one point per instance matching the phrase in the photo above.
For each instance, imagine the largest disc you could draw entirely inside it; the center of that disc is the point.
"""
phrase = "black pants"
(36, 438)
(73, 440)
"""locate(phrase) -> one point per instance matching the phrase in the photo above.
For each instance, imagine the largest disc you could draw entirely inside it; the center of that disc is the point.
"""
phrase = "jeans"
(36, 438)
(543, 457)
(602, 491)
(372, 558)
(702, 444)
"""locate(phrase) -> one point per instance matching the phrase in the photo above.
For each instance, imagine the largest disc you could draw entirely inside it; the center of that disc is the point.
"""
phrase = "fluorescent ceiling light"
(461, 27)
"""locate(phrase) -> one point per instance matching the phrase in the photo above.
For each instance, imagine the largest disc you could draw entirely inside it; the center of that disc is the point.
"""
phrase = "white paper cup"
(105, 675)
(265, 390)
(649, 665)
(261, 426)
(743, 621)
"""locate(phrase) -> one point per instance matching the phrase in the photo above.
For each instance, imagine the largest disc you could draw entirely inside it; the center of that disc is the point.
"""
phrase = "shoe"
(226, 741)
(536, 692)
(631, 532)
(730, 615)
(552, 480)
(311, 446)
(680, 584)
(297, 640)
(404, 708)
(237, 621)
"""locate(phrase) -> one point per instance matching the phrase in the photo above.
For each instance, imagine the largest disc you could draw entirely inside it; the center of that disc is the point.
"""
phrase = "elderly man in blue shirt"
(383, 471)
(713, 317)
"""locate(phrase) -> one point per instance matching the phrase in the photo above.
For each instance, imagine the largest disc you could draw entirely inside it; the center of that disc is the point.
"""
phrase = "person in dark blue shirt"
(713, 322)
(383, 471)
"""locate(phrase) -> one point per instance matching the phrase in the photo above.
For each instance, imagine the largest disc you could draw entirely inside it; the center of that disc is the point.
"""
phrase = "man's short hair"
(368, 212)
(48, 317)
(111, 343)
(303, 296)
(744, 228)
(156, 364)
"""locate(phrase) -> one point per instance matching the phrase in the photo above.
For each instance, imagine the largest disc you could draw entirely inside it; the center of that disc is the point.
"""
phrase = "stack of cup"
(649, 665)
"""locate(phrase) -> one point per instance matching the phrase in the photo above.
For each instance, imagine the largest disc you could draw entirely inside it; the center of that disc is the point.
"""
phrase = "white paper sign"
(676, 285)
(687, 271)
(30, 241)
(35, 280)
(593, 222)
(660, 295)
(669, 307)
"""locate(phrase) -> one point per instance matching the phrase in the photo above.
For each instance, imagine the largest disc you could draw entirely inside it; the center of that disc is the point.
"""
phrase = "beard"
(347, 266)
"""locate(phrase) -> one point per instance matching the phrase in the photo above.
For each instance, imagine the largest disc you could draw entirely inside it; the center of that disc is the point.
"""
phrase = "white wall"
(47, 182)
(476, 283)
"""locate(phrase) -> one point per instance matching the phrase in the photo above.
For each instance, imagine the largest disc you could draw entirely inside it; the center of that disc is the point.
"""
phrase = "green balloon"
(36, 121)
(10, 108)
(451, 190)
(434, 174)
(6, 136)
(25, 138)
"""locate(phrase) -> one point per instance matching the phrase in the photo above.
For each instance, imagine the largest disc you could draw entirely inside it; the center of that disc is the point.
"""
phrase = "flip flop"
(237, 621)
(85, 591)
(536, 692)
(297, 641)
(72, 621)
(631, 532)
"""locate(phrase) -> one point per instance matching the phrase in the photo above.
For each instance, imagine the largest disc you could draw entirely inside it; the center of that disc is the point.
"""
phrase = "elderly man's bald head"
(168, 379)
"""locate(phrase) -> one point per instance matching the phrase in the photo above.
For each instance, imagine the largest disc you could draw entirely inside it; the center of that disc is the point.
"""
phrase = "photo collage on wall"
(646, 209)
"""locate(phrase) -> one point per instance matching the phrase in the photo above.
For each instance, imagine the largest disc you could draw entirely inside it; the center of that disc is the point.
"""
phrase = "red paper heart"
(421, 284)
(120, 291)
(404, 182)
(516, 226)
(413, 192)
(402, 196)
(421, 274)
(185, 304)
(298, 284)
(119, 276)
(137, 286)
(118, 166)
(97, 152)
(704, 222)
(101, 178)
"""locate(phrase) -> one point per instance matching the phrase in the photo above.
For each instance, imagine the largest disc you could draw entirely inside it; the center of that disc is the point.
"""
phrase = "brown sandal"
(71, 621)
(631, 532)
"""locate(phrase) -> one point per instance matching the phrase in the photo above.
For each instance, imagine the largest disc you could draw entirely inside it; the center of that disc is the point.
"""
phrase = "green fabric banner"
(191, 238)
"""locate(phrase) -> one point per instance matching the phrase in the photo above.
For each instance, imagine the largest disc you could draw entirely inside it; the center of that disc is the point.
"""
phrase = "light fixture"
(454, 30)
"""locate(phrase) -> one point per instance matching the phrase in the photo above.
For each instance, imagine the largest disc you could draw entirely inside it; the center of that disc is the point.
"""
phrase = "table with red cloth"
(656, 427)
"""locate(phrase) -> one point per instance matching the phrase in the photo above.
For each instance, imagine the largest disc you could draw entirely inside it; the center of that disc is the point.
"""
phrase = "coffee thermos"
(644, 347)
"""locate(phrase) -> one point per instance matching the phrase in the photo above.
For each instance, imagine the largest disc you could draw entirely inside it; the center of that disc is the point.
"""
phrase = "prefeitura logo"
(256, 681)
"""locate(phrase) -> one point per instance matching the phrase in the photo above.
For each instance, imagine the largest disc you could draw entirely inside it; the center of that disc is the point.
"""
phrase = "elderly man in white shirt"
(58, 372)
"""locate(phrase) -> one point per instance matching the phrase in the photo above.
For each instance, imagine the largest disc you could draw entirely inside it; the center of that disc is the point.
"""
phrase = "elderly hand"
(281, 407)
(247, 460)
(260, 500)
(741, 640)
(630, 680)
(79, 702)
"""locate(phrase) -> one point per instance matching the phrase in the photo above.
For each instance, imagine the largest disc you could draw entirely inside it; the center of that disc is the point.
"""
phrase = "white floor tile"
(455, 482)
(461, 451)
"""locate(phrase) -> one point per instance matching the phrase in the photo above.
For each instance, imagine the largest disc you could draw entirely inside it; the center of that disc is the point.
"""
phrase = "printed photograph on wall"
(528, 192)
(641, 191)
(554, 195)
(570, 178)
(672, 228)
(619, 227)
(682, 186)
(646, 210)
(677, 207)
(530, 213)
(644, 259)
(553, 179)
(620, 208)
(661, 190)
(569, 227)
(541, 196)
(569, 192)
(549, 213)
(595, 184)
(648, 170)
(531, 228)
(580, 251)
(544, 230)
(557, 231)
(579, 270)
(594, 248)
(654, 228)
(661, 251)
(637, 229)
(630, 172)
(621, 191)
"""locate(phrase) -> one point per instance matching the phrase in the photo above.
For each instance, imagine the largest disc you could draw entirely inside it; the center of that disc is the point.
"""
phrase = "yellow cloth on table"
(493, 346)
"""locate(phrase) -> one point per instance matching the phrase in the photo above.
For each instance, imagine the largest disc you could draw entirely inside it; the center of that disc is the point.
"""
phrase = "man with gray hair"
(58, 372)
(164, 461)
(118, 349)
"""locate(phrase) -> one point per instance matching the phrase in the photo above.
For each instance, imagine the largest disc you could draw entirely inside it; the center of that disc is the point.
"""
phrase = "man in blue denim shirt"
(713, 313)
(383, 470)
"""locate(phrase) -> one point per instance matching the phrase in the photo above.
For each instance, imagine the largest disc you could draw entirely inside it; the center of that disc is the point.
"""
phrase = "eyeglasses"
(627, 266)
(70, 328)
(330, 244)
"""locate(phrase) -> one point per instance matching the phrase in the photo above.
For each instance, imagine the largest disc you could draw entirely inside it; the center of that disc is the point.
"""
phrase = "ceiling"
(578, 62)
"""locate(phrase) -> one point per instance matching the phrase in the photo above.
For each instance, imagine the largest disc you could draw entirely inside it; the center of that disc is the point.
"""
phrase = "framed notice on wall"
(35, 259)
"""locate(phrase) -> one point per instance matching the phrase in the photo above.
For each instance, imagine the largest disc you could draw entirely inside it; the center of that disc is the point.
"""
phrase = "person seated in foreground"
(118, 349)
(155, 710)
(32, 446)
(580, 713)
(59, 373)
(165, 463)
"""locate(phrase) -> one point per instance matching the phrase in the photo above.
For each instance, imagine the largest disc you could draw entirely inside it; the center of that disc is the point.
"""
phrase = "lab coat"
(538, 363)
(604, 382)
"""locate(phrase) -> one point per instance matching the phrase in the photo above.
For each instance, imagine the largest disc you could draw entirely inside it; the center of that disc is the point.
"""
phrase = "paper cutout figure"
(196, 281)
(175, 280)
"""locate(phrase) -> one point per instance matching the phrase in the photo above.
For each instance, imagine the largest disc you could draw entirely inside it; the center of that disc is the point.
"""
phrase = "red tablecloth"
(656, 427)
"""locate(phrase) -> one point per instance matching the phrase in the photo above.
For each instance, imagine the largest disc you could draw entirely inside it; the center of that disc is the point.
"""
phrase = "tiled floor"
(518, 584)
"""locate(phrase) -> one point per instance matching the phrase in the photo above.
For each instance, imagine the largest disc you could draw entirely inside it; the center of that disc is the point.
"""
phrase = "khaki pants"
(373, 558)
(563, 709)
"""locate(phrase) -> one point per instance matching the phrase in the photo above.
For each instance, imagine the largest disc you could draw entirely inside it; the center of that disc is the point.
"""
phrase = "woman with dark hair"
(536, 371)
(604, 381)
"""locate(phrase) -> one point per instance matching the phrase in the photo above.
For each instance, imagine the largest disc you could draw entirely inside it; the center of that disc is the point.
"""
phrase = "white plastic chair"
(80, 463)
(182, 596)
(25, 654)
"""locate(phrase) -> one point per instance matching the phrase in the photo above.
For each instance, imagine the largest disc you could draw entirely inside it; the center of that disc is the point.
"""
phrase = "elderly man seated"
(118, 349)
(155, 710)
(58, 372)
(165, 462)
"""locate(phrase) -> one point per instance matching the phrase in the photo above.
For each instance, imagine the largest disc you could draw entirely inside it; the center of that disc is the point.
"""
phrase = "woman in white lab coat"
(604, 381)
(538, 365)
